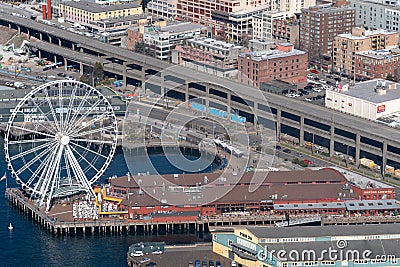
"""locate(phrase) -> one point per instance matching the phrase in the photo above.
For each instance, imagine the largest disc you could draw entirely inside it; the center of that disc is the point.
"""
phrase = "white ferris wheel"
(60, 139)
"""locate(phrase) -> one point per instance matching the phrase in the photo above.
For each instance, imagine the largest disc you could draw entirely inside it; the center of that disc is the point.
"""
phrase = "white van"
(138, 253)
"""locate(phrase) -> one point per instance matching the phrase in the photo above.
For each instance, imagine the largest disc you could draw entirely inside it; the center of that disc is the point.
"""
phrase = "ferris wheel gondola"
(60, 139)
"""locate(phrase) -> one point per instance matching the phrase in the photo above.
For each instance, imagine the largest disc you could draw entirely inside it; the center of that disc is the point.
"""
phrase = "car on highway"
(307, 161)
(61, 74)
(287, 150)
(314, 71)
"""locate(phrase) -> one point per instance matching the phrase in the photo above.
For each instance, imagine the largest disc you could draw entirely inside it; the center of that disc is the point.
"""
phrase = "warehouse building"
(370, 99)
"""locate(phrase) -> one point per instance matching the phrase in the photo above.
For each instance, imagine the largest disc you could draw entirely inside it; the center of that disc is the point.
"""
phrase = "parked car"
(310, 76)
(218, 264)
(316, 79)
(317, 90)
(314, 71)
(190, 264)
(61, 74)
(204, 264)
(137, 253)
(197, 263)
(308, 87)
(329, 83)
(286, 150)
(211, 263)
(322, 81)
(233, 264)
(308, 99)
(157, 252)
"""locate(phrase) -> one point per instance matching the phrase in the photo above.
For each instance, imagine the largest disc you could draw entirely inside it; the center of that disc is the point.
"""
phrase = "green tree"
(85, 79)
(390, 77)
(98, 73)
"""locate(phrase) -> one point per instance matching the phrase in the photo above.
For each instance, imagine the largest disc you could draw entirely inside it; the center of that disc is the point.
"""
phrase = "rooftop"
(97, 8)
(182, 27)
(380, 54)
(368, 33)
(323, 231)
(366, 91)
(271, 54)
(214, 43)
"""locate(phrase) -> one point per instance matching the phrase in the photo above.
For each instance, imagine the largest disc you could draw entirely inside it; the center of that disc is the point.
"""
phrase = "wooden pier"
(107, 226)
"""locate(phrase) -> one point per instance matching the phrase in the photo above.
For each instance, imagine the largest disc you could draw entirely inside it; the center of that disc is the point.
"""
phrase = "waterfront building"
(352, 245)
(284, 63)
(87, 13)
(319, 25)
(208, 55)
(346, 45)
(369, 99)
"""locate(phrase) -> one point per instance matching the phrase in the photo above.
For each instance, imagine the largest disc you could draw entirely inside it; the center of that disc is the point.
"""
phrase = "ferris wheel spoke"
(55, 174)
(31, 131)
(61, 105)
(29, 141)
(88, 123)
(52, 110)
(46, 175)
(80, 175)
(93, 141)
(110, 127)
(35, 159)
(44, 113)
(89, 150)
(71, 101)
(71, 123)
(38, 170)
(29, 151)
(84, 158)
(86, 114)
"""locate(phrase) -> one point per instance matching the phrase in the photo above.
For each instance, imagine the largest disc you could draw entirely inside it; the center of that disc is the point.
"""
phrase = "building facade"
(163, 8)
(285, 63)
(370, 99)
(87, 13)
(348, 44)
(209, 55)
(320, 25)
(260, 246)
(377, 64)
(377, 14)
(287, 30)
(160, 41)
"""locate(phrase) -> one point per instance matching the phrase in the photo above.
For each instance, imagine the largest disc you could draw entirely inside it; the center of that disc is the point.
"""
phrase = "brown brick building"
(348, 44)
(285, 63)
(377, 64)
(287, 30)
(319, 25)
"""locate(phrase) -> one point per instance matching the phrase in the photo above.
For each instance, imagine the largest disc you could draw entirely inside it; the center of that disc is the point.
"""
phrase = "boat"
(10, 227)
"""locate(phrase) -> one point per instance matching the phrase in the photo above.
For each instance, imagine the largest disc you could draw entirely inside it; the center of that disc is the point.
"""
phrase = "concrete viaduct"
(307, 122)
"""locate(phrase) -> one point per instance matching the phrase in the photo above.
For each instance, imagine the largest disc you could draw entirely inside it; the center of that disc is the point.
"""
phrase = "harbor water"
(28, 245)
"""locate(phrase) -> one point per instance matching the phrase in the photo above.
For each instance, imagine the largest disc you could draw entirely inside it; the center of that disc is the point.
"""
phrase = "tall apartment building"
(209, 55)
(320, 25)
(284, 63)
(348, 44)
(377, 64)
(263, 24)
(163, 8)
(229, 19)
(377, 14)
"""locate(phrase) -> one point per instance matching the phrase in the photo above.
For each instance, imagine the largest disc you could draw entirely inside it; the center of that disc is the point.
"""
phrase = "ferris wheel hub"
(64, 140)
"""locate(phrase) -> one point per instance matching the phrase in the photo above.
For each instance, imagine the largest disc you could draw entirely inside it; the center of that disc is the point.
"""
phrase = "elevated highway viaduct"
(306, 122)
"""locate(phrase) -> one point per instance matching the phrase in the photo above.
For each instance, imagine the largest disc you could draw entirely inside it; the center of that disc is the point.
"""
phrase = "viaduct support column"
(301, 136)
(124, 73)
(228, 102)
(19, 29)
(358, 148)
(65, 64)
(81, 68)
(207, 98)
(187, 93)
(384, 157)
(332, 140)
(278, 124)
(162, 85)
(29, 34)
(143, 74)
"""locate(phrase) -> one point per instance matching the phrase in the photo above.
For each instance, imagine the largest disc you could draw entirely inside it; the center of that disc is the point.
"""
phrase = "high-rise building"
(346, 46)
(320, 25)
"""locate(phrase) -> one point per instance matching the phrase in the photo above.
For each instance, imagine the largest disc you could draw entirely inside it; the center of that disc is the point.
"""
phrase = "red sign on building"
(380, 109)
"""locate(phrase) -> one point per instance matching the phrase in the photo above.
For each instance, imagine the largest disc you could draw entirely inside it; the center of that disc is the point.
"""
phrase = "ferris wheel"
(60, 139)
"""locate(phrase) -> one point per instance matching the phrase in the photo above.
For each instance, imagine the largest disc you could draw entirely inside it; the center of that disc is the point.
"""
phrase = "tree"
(98, 73)
(85, 79)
